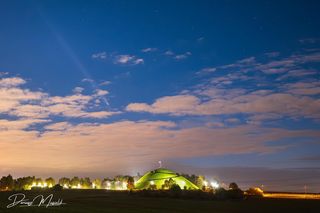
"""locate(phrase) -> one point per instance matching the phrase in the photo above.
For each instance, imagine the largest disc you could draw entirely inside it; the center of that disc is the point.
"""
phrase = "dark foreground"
(103, 201)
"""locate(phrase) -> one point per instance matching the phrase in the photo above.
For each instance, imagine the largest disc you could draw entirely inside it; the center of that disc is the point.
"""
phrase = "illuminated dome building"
(158, 178)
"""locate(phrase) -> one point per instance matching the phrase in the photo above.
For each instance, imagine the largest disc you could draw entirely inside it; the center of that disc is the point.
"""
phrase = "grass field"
(102, 201)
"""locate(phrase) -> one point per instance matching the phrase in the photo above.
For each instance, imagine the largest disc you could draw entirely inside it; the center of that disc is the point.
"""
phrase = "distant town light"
(205, 183)
(214, 184)
(152, 182)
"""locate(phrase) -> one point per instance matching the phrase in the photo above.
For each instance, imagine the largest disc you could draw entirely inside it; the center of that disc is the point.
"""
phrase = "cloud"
(177, 105)
(182, 56)
(149, 49)
(126, 144)
(169, 52)
(206, 70)
(100, 55)
(124, 59)
(100, 92)
(177, 56)
(6, 125)
(296, 73)
(200, 39)
(128, 59)
(105, 83)
(11, 82)
(87, 80)
(275, 66)
(248, 103)
(272, 54)
(302, 88)
(78, 90)
(309, 40)
(28, 104)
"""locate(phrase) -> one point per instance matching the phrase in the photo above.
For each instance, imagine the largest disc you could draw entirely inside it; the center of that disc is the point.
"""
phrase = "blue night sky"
(228, 89)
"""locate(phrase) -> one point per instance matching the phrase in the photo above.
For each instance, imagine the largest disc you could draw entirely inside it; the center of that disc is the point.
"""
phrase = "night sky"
(227, 89)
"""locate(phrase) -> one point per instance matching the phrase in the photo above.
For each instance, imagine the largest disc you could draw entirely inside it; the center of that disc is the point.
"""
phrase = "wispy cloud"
(309, 40)
(87, 80)
(257, 95)
(78, 90)
(149, 49)
(105, 83)
(124, 59)
(182, 56)
(100, 55)
(128, 59)
(177, 56)
(169, 52)
(206, 70)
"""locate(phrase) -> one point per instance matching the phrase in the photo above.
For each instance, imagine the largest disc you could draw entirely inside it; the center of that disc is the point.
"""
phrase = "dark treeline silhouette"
(126, 182)
(7, 183)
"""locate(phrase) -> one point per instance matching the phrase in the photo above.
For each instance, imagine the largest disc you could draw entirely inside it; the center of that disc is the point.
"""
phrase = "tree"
(233, 186)
(200, 181)
(64, 182)
(50, 182)
(57, 188)
(24, 183)
(86, 183)
(75, 182)
(38, 181)
(96, 183)
(175, 188)
(171, 182)
(235, 192)
(130, 183)
(6, 183)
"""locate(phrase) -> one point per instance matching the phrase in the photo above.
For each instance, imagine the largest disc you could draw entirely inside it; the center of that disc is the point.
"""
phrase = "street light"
(214, 184)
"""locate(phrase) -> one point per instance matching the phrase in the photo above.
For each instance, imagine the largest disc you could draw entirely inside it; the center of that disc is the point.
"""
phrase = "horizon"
(224, 89)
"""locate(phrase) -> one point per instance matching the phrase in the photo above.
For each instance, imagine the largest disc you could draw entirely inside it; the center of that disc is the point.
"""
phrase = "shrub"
(57, 188)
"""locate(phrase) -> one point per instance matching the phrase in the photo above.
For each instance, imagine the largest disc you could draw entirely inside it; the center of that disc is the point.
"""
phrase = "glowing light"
(39, 185)
(93, 185)
(65, 186)
(124, 185)
(79, 186)
(34, 184)
(152, 182)
(214, 184)
(259, 190)
(45, 184)
(50, 185)
(205, 183)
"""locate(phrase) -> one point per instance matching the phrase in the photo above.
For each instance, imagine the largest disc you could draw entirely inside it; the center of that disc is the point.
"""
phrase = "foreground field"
(103, 201)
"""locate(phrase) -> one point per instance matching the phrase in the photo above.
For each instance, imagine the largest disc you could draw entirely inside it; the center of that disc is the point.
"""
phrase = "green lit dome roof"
(158, 176)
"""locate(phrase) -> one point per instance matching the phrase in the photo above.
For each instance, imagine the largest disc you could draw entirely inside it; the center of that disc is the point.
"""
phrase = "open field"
(103, 201)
